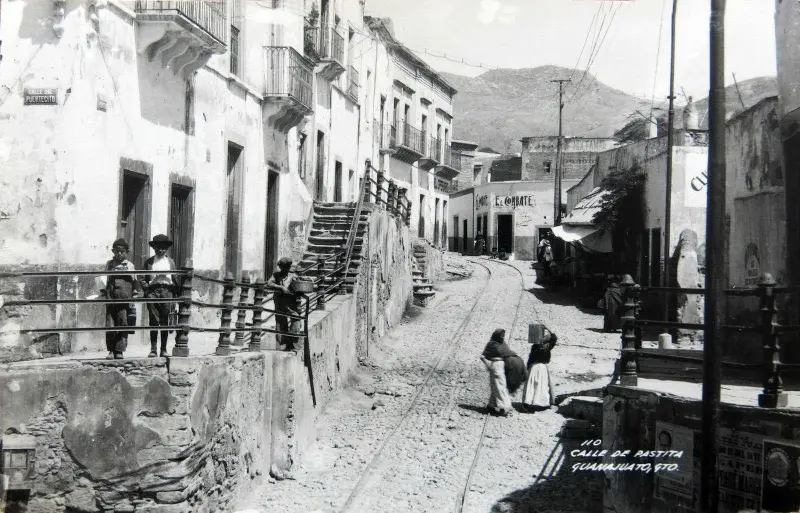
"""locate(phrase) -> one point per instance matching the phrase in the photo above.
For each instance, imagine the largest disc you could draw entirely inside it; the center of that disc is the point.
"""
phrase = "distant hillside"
(499, 107)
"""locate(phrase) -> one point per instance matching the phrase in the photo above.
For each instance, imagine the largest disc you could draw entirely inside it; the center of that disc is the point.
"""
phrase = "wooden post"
(367, 183)
(391, 198)
(628, 357)
(241, 318)
(379, 189)
(224, 344)
(258, 315)
(181, 348)
(772, 395)
(322, 283)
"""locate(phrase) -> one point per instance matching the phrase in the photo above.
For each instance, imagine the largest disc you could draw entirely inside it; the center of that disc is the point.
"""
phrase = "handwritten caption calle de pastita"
(631, 461)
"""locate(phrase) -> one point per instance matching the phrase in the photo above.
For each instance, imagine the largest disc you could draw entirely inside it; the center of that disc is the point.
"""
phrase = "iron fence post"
(322, 287)
(772, 395)
(341, 273)
(379, 189)
(391, 198)
(224, 344)
(241, 317)
(367, 182)
(258, 315)
(181, 348)
(628, 357)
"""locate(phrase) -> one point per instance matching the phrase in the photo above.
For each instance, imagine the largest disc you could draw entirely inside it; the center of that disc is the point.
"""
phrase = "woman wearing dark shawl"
(504, 366)
(612, 301)
(538, 393)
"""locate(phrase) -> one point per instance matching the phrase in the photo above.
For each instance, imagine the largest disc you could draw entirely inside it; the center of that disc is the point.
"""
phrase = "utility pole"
(557, 184)
(670, 144)
(715, 272)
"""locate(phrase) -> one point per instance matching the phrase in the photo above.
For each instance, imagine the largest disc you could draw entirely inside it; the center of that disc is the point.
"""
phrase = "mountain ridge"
(499, 107)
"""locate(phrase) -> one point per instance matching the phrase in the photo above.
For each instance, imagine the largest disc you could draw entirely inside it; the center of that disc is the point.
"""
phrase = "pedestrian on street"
(119, 286)
(538, 393)
(547, 258)
(160, 286)
(494, 355)
(611, 304)
(287, 301)
(480, 244)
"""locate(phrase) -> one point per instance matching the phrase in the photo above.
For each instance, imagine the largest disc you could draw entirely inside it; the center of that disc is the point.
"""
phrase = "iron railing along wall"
(288, 74)
(435, 151)
(327, 43)
(452, 159)
(210, 16)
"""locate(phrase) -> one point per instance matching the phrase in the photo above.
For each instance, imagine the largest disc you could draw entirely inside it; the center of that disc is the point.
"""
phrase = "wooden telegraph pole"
(715, 271)
(670, 144)
(557, 178)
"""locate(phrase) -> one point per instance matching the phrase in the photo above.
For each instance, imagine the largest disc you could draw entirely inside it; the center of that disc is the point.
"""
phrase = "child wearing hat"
(119, 286)
(287, 301)
(163, 286)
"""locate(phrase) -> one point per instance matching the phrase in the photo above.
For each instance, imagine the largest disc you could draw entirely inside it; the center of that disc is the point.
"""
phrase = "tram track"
(439, 393)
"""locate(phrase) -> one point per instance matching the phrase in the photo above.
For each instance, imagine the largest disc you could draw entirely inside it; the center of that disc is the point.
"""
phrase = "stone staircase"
(423, 288)
(329, 231)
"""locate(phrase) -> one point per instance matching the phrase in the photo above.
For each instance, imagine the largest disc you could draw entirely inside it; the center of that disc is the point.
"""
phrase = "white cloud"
(494, 10)
(488, 11)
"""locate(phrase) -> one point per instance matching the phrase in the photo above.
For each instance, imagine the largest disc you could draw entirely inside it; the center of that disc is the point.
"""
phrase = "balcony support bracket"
(174, 42)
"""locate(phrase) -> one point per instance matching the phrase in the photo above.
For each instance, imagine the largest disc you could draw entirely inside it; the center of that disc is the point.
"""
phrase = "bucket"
(665, 341)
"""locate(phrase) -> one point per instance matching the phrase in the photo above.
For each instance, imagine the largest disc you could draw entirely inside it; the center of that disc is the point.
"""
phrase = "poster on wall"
(696, 180)
(676, 489)
(781, 476)
(739, 469)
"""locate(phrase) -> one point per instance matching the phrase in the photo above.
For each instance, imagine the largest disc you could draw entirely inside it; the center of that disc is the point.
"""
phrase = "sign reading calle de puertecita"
(41, 96)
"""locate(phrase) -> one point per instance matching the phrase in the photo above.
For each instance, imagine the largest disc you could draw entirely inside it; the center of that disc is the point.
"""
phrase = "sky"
(630, 39)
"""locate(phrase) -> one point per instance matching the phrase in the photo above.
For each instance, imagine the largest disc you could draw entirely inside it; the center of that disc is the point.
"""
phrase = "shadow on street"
(557, 488)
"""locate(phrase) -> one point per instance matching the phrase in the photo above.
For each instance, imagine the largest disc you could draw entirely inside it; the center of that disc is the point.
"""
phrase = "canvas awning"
(592, 238)
(579, 225)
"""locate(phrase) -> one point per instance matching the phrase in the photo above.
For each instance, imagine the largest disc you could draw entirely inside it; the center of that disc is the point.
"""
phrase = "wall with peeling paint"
(62, 163)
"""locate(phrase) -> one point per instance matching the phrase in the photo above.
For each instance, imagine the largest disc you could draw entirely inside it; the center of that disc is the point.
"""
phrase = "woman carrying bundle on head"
(538, 393)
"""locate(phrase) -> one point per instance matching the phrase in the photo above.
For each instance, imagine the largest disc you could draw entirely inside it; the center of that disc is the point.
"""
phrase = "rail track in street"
(433, 410)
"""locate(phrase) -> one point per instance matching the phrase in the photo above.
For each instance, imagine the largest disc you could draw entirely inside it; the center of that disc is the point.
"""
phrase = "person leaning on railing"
(287, 301)
(119, 286)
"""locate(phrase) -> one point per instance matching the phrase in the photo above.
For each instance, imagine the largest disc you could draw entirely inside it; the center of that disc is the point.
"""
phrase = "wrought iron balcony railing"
(324, 44)
(288, 74)
(435, 149)
(409, 137)
(211, 16)
(352, 82)
(452, 159)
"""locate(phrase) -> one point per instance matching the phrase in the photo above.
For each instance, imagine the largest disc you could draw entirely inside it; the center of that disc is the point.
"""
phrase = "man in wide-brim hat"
(160, 286)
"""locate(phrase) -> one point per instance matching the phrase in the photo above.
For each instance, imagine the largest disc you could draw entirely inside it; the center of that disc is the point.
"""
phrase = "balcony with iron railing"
(407, 142)
(325, 46)
(181, 34)
(445, 186)
(352, 83)
(433, 153)
(450, 165)
(288, 86)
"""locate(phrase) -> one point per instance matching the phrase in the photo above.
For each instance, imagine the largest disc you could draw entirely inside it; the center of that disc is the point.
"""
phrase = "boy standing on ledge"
(119, 287)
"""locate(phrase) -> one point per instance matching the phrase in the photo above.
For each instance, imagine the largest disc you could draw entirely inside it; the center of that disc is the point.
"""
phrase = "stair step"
(330, 248)
(340, 218)
(321, 232)
(327, 240)
(329, 226)
(424, 293)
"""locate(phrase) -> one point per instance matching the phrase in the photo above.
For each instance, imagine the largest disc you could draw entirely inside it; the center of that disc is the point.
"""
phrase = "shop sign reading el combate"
(515, 201)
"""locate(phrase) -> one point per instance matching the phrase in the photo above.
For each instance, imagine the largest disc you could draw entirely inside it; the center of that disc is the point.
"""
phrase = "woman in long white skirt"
(493, 358)
(538, 393)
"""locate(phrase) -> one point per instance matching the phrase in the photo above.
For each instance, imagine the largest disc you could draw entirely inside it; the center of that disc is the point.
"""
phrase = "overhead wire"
(597, 52)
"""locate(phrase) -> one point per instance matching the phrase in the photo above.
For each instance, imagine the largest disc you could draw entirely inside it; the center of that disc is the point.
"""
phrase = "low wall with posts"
(774, 372)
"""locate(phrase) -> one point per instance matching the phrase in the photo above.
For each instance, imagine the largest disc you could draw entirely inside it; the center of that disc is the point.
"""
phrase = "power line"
(613, 15)
(585, 40)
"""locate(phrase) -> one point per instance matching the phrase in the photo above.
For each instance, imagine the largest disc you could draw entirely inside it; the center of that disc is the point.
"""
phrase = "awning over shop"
(592, 238)
(579, 225)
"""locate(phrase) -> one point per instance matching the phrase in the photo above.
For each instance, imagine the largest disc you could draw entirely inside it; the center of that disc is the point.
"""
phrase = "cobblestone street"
(407, 435)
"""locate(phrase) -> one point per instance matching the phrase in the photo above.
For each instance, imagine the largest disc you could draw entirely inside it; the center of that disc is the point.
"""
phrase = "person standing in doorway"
(160, 286)
(287, 301)
(119, 286)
